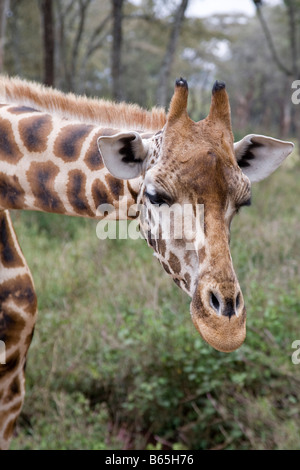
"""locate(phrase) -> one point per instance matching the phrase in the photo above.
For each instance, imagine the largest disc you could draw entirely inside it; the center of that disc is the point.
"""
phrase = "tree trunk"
(4, 7)
(293, 11)
(292, 71)
(116, 54)
(83, 8)
(48, 40)
(165, 71)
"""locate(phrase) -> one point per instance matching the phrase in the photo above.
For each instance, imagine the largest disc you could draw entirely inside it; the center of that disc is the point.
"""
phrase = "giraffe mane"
(81, 108)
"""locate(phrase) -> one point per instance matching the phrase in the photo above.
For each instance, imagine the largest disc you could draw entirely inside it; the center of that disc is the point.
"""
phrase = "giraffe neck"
(54, 165)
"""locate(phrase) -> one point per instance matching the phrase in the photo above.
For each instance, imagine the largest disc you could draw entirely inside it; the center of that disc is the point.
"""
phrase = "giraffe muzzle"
(220, 320)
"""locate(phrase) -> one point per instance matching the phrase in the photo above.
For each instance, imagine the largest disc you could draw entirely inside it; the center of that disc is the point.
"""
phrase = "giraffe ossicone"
(89, 158)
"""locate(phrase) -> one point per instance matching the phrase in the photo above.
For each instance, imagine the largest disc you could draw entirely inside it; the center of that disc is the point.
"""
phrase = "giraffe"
(71, 155)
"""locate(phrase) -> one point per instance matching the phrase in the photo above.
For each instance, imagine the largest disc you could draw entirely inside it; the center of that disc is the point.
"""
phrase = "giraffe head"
(193, 180)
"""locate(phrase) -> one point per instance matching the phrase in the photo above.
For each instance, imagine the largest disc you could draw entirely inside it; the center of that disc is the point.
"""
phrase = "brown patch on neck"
(34, 132)
(41, 177)
(187, 278)
(174, 263)
(70, 140)
(166, 267)
(76, 192)
(10, 426)
(9, 150)
(100, 194)
(188, 258)
(133, 193)
(12, 194)
(13, 390)
(21, 110)
(92, 158)
(13, 361)
(201, 255)
(161, 246)
(20, 292)
(9, 256)
(116, 186)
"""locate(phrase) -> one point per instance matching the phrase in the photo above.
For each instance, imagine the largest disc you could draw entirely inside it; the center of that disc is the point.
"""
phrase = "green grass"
(115, 362)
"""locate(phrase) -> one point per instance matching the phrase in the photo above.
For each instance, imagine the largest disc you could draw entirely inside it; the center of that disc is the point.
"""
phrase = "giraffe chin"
(220, 332)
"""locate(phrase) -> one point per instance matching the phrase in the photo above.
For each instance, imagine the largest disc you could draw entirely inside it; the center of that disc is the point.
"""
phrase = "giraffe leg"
(18, 308)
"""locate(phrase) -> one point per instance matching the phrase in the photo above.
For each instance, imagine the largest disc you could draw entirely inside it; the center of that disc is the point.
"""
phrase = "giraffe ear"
(258, 155)
(123, 154)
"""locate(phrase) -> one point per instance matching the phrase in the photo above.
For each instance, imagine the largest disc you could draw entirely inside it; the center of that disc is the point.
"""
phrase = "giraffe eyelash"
(157, 198)
(245, 203)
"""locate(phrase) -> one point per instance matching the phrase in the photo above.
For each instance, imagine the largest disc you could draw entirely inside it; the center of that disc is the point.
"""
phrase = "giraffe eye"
(246, 202)
(156, 198)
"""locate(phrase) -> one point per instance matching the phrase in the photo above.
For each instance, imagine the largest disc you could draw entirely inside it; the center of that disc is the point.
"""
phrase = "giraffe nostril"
(214, 302)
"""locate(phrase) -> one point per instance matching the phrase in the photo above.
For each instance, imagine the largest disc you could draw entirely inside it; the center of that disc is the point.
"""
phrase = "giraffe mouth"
(222, 333)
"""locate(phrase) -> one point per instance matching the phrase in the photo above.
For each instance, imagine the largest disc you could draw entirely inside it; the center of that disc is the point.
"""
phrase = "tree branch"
(4, 7)
(291, 9)
(116, 56)
(83, 6)
(269, 40)
(96, 32)
(165, 70)
(48, 40)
